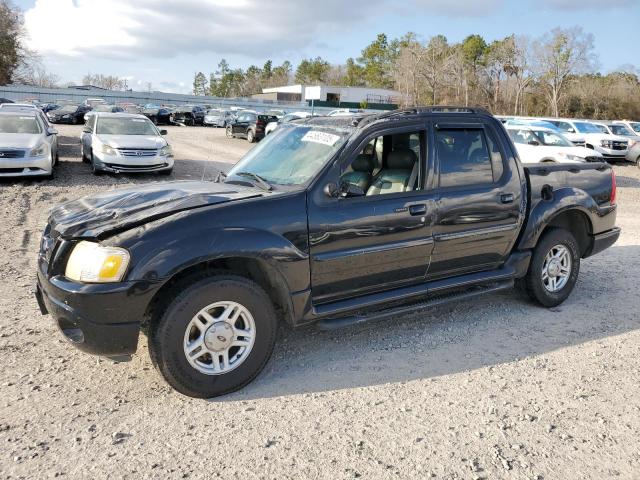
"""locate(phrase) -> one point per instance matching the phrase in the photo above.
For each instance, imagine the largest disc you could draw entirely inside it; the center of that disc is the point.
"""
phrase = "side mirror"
(571, 130)
(52, 131)
(87, 130)
(535, 143)
(331, 190)
(350, 190)
(163, 132)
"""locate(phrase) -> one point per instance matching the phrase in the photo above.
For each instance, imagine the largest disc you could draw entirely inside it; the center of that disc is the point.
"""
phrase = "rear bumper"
(101, 319)
(602, 241)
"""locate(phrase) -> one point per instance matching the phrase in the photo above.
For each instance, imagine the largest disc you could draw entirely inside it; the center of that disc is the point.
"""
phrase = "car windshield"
(552, 139)
(621, 130)
(584, 127)
(292, 155)
(68, 108)
(635, 126)
(19, 124)
(125, 126)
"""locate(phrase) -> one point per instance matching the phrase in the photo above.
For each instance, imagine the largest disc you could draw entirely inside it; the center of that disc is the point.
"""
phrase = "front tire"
(554, 268)
(95, 170)
(250, 136)
(214, 336)
(229, 132)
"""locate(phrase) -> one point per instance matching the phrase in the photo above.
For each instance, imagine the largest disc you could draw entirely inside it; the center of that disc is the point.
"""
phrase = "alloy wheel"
(556, 268)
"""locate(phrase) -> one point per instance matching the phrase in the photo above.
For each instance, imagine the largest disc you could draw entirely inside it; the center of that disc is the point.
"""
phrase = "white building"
(333, 94)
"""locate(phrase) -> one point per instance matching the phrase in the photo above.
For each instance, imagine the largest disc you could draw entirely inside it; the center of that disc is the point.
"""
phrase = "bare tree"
(437, 63)
(559, 55)
(408, 71)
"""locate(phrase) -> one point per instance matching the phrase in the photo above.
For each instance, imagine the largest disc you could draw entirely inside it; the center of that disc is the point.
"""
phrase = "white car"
(271, 126)
(28, 144)
(620, 130)
(344, 112)
(633, 126)
(541, 144)
(612, 147)
(124, 142)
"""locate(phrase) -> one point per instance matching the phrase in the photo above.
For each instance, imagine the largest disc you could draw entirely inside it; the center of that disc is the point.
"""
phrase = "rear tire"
(554, 268)
(176, 328)
(250, 136)
(229, 133)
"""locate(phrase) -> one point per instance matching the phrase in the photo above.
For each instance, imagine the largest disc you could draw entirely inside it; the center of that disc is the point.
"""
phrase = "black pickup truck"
(330, 220)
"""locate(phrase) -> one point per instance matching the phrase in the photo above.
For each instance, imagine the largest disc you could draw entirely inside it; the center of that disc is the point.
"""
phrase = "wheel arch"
(250, 267)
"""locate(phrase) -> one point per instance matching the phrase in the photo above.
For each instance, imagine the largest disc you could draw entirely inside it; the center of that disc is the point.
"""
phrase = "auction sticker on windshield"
(321, 137)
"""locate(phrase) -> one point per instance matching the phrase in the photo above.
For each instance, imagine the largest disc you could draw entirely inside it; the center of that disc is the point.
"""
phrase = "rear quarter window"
(464, 157)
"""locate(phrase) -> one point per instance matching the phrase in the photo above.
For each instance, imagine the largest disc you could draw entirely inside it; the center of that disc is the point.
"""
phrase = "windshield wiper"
(257, 180)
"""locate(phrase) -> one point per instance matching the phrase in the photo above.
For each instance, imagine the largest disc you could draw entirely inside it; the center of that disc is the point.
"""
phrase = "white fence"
(20, 93)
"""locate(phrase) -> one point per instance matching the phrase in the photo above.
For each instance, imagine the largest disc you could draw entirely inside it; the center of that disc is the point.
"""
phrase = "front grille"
(618, 145)
(593, 159)
(11, 170)
(135, 168)
(11, 153)
(138, 152)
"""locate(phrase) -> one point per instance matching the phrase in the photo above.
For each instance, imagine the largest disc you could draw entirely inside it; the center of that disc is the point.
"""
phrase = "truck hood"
(597, 137)
(95, 216)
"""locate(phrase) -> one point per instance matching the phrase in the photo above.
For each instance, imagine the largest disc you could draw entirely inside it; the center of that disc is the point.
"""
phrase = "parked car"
(5, 100)
(577, 140)
(275, 112)
(620, 130)
(28, 144)
(568, 130)
(333, 221)
(633, 126)
(271, 126)
(633, 155)
(92, 102)
(47, 107)
(249, 125)
(189, 115)
(159, 115)
(14, 107)
(611, 147)
(73, 114)
(217, 117)
(123, 142)
(105, 107)
(135, 109)
(541, 144)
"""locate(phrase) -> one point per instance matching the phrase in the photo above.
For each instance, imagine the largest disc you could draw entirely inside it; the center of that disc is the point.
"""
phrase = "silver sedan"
(28, 144)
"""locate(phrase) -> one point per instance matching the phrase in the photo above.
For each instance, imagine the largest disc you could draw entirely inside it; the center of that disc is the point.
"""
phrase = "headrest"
(402, 159)
(363, 163)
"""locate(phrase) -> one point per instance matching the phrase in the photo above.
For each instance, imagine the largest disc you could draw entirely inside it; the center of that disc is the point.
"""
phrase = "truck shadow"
(463, 337)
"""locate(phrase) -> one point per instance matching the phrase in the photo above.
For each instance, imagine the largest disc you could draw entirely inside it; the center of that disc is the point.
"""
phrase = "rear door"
(480, 205)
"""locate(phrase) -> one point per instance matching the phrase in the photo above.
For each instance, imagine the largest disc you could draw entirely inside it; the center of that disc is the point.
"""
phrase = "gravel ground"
(490, 388)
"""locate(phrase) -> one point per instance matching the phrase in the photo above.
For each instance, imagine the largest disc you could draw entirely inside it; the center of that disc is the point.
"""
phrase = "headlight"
(166, 151)
(107, 150)
(606, 143)
(569, 156)
(93, 263)
(39, 151)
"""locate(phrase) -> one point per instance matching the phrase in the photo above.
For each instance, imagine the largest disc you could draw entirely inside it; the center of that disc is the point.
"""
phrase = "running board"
(444, 298)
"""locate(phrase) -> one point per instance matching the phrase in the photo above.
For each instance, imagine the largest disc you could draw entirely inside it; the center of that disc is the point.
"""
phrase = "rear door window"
(463, 157)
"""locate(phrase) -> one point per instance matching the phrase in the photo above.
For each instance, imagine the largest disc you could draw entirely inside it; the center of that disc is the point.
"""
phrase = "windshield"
(584, 127)
(292, 155)
(125, 126)
(68, 108)
(552, 139)
(635, 126)
(621, 130)
(19, 124)
(104, 108)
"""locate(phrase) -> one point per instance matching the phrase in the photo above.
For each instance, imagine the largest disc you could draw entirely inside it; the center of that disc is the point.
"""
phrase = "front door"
(376, 235)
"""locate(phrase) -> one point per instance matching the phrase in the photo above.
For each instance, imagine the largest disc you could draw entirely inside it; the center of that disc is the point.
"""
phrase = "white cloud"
(128, 29)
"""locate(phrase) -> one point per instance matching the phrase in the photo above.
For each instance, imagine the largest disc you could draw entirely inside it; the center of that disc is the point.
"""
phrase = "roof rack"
(424, 109)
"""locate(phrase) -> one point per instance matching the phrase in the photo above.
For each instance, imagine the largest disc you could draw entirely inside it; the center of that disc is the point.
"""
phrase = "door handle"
(420, 209)
(507, 198)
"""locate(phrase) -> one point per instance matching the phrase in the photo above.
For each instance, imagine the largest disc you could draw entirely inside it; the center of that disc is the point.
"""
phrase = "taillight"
(613, 188)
